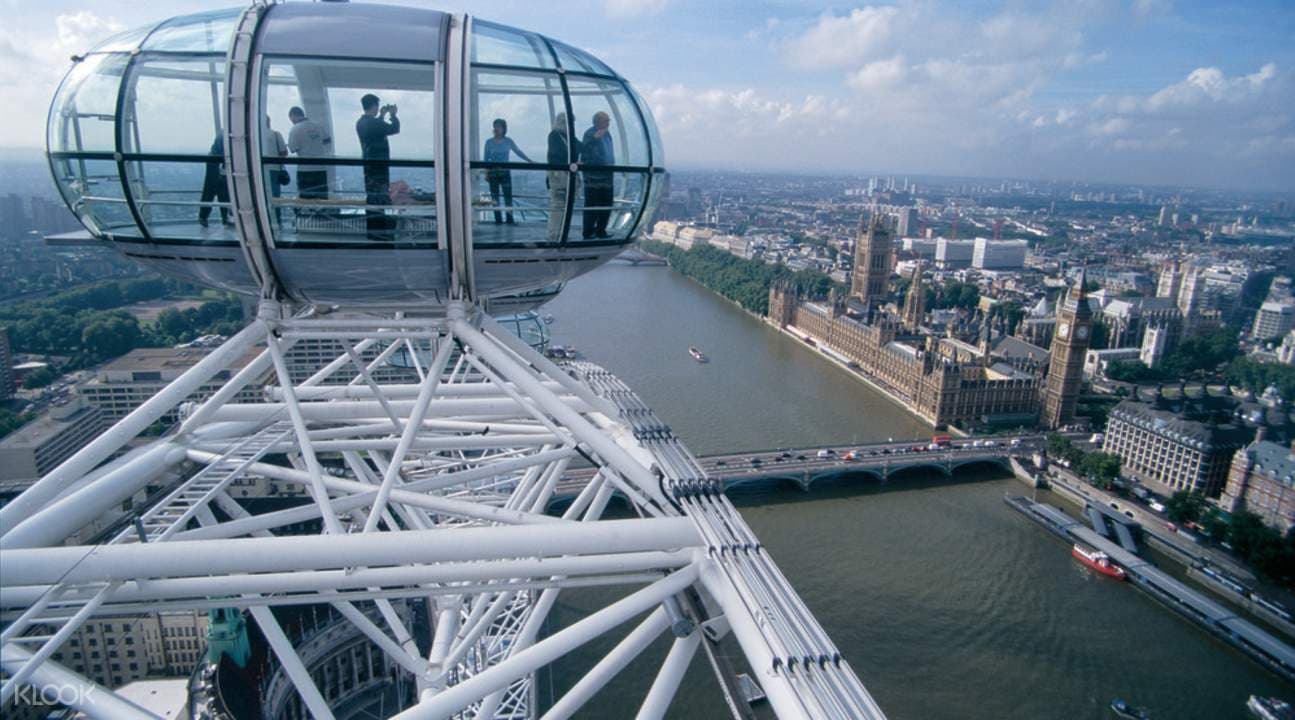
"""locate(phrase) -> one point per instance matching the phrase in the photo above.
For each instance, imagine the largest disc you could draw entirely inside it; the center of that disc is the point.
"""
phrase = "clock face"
(1064, 330)
(1081, 332)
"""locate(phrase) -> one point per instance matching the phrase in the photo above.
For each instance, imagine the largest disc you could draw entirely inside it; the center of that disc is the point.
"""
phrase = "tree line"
(1268, 552)
(1203, 352)
(746, 282)
(88, 325)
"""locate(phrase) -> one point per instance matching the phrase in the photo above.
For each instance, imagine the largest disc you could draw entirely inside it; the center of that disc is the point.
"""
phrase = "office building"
(115, 650)
(1170, 453)
(1273, 320)
(954, 254)
(34, 449)
(921, 247)
(908, 221)
(7, 385)
(125, 383)
(998, 254)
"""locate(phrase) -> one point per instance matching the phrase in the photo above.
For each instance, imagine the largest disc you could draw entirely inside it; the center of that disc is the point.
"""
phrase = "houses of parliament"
(971, 375)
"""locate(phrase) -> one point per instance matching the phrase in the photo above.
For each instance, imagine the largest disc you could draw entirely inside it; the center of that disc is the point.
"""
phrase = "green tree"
(1101, 469)
(1246, 532)
(110, 335)
(173, 324)
(39, 378)
(10, 421)
(1214, 525)
(1130, 371)
(1184, 506)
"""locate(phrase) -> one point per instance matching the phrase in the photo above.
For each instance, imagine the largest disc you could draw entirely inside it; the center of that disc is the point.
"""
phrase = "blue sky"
(1150, 91)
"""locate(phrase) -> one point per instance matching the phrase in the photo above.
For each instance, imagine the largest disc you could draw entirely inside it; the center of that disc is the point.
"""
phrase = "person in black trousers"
(373, 131)
(213, 184)
(596, 149)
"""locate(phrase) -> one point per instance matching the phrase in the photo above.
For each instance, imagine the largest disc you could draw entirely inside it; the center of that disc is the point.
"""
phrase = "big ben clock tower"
(1066, 367)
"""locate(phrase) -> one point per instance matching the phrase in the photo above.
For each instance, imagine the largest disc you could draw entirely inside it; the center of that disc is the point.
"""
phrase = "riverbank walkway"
(1214, 617)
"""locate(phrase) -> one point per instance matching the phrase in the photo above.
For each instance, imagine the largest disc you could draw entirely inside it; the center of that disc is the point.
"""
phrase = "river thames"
(947, 603)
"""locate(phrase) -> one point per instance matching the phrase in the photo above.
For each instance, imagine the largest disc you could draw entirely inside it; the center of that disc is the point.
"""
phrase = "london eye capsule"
(354, 155)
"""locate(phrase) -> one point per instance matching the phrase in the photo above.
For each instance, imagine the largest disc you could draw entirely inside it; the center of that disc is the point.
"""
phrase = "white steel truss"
(436, 489)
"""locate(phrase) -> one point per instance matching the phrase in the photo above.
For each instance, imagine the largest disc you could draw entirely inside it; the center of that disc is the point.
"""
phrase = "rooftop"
(45, 425)
(1164, 423)
(1273, 460)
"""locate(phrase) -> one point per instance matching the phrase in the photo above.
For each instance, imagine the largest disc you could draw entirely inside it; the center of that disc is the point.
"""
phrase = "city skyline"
(1143, 92)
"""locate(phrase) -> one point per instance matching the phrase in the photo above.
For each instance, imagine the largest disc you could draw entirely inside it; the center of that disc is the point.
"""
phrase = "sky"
(1123, 91)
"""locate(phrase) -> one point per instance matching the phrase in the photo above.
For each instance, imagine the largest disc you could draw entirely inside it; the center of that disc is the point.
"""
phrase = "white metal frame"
(436, 488)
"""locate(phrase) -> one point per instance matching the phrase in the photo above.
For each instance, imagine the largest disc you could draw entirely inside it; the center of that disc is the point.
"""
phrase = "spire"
(1082, 308)
(915, 303)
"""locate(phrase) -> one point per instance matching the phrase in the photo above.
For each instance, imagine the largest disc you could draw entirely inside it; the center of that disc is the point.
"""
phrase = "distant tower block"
(1069, 344)
(907, 220)
(873, 259)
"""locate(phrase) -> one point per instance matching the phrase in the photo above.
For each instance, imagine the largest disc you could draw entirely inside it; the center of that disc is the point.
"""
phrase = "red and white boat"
(1098, 560)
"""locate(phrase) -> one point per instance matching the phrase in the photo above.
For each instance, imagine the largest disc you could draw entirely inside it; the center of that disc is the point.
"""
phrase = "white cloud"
(633, 8)
(878, 76)
(1212, 84)
(1152, 8)
(1114, 126)
(33, 62)
(79, 31)
(841, 41)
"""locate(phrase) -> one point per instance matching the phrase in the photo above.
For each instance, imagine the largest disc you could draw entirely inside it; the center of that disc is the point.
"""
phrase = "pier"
(1218, 620)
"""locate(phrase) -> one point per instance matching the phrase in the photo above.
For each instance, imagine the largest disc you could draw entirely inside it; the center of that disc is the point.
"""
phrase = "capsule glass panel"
(173, 105)
(531, 106)
(328, 186)
(628, 139)
(207, 32)
(579, 60)
(124, 41)
(182, 200)
(498, 45)
(607, 206)
(330, 205)
(83, 116)
(93, 191)
(518, 207)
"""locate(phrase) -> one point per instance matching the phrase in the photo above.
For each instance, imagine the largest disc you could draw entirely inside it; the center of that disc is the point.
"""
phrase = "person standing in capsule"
(374, 126)
(498, 148)
(596, 149)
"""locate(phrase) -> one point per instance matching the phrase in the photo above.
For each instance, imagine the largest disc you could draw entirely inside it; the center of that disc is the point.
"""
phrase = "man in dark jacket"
(596, 149)
(213, 184)
(373, 128)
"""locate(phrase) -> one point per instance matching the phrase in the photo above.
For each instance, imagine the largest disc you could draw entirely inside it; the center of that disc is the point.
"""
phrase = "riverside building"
(1261, 480)
(1170, 453)
(945, 381)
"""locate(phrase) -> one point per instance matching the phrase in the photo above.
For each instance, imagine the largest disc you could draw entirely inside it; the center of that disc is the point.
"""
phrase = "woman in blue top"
(500, 179)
